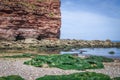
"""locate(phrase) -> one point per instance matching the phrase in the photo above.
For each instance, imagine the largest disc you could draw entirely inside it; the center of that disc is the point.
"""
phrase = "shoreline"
(31, 73)
(56, 44)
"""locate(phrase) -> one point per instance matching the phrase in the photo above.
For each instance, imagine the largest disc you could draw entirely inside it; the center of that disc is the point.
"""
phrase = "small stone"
(45, 66)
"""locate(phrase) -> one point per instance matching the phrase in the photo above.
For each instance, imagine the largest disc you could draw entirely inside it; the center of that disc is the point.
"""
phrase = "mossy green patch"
(64, 62)
(116, 78)
(25, 55)
(77, 76)
(28, 5)
(12, 77)
(100, 59)
(2, 78)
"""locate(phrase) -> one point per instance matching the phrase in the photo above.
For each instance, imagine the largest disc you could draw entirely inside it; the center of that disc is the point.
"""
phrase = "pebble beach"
(16, 67)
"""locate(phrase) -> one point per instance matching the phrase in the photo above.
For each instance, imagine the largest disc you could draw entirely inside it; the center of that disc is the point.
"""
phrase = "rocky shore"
(31, 73)
(55, 44)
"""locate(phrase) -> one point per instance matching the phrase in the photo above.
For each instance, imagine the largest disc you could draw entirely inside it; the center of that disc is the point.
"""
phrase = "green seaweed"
(116, 78)
(77, 76)
(25, 55)
(65, 62)
(100, 59)
(12, 77)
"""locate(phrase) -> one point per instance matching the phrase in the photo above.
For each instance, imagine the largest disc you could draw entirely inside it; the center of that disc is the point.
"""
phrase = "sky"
(90, 19)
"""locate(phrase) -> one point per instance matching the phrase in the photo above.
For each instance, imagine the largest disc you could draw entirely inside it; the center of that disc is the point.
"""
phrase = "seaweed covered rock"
(21, 19)
(65, 62)
(100, 59)
(77, 76)
(12, 77)
(116, 78)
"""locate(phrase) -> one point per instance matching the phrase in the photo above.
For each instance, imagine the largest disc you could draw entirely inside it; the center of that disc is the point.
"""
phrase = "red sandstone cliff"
(20, 19)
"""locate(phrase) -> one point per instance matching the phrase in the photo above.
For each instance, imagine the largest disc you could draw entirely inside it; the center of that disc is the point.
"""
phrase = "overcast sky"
(90, 19)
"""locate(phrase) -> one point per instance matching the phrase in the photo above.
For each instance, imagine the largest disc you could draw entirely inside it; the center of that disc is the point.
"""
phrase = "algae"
(77, 76)
(65, 62)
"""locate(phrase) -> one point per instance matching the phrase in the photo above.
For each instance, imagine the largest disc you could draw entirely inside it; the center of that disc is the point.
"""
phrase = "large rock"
(21, 19)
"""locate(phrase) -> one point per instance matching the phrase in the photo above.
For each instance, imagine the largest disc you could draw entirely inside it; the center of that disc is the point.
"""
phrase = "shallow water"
(82, 51)
(95, 51)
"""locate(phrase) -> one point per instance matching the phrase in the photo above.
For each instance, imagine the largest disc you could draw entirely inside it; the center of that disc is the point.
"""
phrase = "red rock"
(21, 19)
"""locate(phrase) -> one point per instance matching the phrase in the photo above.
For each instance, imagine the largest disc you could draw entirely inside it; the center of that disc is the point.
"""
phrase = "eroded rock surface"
(21, 19)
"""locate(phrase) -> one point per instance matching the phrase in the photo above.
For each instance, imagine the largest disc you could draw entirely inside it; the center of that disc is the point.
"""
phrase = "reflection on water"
(7, 52)
(82, 51)
(95, 51)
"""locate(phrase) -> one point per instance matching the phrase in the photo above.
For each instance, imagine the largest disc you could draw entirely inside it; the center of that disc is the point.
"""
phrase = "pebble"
(16, 67)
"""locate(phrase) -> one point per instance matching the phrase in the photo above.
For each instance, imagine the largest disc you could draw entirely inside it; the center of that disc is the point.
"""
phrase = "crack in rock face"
(21, 19)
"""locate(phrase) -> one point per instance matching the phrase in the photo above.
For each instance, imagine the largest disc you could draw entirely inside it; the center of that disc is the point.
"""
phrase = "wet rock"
(57, 44)
(30, 40)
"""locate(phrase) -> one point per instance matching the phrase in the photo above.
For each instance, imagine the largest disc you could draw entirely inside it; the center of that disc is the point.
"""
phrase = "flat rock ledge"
(57, 44)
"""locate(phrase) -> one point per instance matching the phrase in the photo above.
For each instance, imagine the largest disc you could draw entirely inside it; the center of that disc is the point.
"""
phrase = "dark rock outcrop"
(21, 19)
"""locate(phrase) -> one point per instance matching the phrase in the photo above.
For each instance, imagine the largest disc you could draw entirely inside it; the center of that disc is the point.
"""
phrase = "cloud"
(87, 25)
(90, 19)
(68, 3)
(110, 8)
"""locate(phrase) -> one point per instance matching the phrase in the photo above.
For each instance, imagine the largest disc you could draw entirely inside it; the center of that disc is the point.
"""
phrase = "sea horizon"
(90, 39)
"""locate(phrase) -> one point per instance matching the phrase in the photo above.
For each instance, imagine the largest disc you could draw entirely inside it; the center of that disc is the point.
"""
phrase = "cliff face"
(21, 19)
